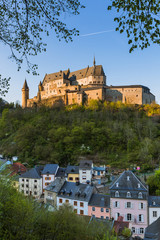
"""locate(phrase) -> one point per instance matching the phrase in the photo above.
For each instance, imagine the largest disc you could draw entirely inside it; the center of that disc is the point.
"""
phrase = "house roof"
(154, 201)
(72, 170)
(76, 191)
(100, 200)
(61, 172)
(153, 231)
(56, 185)
(99, 168)
(129, 182)
(25, 86)
(50, 169)
(17, 168)
(129, 86)
(33, 173)
(85, 164)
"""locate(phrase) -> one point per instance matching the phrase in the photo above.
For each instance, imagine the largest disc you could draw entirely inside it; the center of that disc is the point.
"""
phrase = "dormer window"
(154, 203)
(128, 178)
(116, 194)
(140, 195)
(117, 184)
(139, 185)
(128, 194)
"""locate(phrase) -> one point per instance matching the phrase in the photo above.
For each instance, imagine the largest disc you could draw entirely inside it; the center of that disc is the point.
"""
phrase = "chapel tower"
(25, 94)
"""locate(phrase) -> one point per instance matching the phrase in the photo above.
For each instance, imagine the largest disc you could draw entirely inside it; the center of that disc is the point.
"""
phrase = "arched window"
(128, 194)
(116, 194)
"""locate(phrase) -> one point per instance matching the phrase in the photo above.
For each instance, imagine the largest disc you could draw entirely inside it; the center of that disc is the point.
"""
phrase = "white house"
(30, 183)
(48, 174)
(85, 171)
(77, 195)
(154, 208)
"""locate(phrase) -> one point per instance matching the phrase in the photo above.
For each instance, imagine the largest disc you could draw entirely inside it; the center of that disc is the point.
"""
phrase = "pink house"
(129, 199)
(99, 206)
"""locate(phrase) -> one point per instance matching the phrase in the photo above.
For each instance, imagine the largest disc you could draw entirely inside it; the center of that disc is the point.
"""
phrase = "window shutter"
(118, 204)
(125, 205)
(132, 205)
(142, 218)
(132, 218)
(125, 217)
(144, 205)
(139, 206)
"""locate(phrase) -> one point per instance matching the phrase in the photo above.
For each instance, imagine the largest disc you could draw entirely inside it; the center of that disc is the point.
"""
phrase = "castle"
(81, 86)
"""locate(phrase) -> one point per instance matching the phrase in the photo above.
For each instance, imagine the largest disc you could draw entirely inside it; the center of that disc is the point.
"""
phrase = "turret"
(25, 94)
(40, 88)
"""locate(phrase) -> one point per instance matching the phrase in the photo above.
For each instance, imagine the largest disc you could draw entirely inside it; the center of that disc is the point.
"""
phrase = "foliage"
(126, 232)
(116, 134)
(22, 24)
(4, 85)
(139, 19)
(153, 182)
(24, 219)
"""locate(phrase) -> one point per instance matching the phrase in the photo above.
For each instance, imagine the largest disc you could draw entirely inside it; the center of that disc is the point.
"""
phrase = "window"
(154, 213)
(139, 185)
(27, 180)
(102, 209)
(116, 194)
(26, 185)
(117, 184)
(140, 195)
(70, 178)
(81, 212)
(116, 204)
(140, 217)
(60, 200)
(128, 204)
(47, 178)
(77, 178)
(117, 216)
(35, 193)
(26, 192)
(67, 201)
(129, 217)
(81, 204)
(133, 230)
(22, 185)
(141, 230)
(35, 180)
(141, 205)
(102, 217)
(128, 194)
(75, 210)
(75, 203)
(22, 191)
(107, 210)
(128, 178)
(83, 171)
(93, 208)
(107, 217)
(35, 186)
(46, 184)
(84, 178)
(22, 180)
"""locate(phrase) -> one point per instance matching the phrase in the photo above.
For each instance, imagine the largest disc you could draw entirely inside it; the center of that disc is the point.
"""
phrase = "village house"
(72, 173)
(48, 174)
(99, 172)
(154, 208)
(99, 206)
(51, 191)
(77, 195)
(129, 199)
(30, 183)
(85, 171)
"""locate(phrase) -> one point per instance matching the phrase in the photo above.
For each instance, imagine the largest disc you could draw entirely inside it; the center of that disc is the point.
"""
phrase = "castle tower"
(25, 94)
(94, 61)
(40, 88)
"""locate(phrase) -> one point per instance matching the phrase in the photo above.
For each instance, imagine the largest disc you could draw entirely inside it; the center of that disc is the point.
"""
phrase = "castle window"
(136, 95)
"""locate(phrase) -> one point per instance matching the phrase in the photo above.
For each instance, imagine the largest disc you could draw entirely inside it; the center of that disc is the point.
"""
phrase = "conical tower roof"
(25, 86)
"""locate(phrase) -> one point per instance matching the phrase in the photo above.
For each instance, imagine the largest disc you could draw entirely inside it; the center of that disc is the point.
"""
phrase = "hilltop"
(114, 134)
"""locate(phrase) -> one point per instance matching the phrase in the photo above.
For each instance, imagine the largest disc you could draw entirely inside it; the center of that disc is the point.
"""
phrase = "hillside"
(109, 133)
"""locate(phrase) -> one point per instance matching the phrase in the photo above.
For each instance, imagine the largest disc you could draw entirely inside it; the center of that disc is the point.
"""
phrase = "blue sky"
(110, 49)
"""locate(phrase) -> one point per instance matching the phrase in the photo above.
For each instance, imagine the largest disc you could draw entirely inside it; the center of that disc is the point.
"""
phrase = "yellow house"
(72, 173)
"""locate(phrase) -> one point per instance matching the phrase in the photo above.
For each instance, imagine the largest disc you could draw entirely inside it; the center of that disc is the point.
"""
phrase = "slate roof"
(99, 168)
(76, 191)
(72, 169)
(25, 86)
(34, 173)
(50, 169)
(61, 172)
(130, 185)
(100, 200)
(154, 201)
(85, 164)
(153, 231)
(56, 185)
